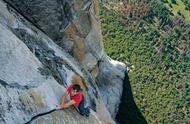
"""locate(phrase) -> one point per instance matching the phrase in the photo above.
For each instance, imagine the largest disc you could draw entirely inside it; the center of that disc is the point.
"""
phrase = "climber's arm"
(67, 104)
(64, 97)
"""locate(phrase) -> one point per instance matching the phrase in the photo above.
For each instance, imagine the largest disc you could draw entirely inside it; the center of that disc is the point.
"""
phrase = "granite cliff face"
(46, 45)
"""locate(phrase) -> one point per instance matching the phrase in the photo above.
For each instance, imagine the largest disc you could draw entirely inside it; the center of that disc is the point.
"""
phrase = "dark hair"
(76, 87)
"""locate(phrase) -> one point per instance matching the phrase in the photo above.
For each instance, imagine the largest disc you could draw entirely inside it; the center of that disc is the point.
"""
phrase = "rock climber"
(76, 100)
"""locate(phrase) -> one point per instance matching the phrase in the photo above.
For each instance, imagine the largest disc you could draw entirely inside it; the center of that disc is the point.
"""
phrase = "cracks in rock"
(39, 115)
(87, 5)
(45, 55)
(15, 85)
(12, 9)
(42, 52)
(65, 13)
(48, 59)
(51, 63)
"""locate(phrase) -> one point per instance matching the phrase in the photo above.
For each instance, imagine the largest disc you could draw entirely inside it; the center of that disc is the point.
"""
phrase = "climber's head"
(76, 88)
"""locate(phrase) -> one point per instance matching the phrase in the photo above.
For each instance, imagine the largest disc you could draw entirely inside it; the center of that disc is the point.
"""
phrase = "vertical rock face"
(23, 90)
(72, 24)
(46, 45)
(110, 81)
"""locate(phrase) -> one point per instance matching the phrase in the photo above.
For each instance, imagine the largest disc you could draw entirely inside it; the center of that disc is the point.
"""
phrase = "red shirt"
(77, 98)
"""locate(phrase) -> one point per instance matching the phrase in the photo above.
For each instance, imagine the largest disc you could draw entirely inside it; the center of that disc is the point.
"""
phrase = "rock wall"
(72, 24)
(110, 83)
(46, 45)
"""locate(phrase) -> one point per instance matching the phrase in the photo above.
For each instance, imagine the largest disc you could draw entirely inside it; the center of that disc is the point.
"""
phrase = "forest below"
(152, 38)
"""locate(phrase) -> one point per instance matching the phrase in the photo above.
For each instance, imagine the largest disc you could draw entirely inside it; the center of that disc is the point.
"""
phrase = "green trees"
(161, 57)
(181, 14)
(187, 4)
(174, 1)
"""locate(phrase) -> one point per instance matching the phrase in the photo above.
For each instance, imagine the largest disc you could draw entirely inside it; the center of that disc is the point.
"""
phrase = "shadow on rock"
(128, 111)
